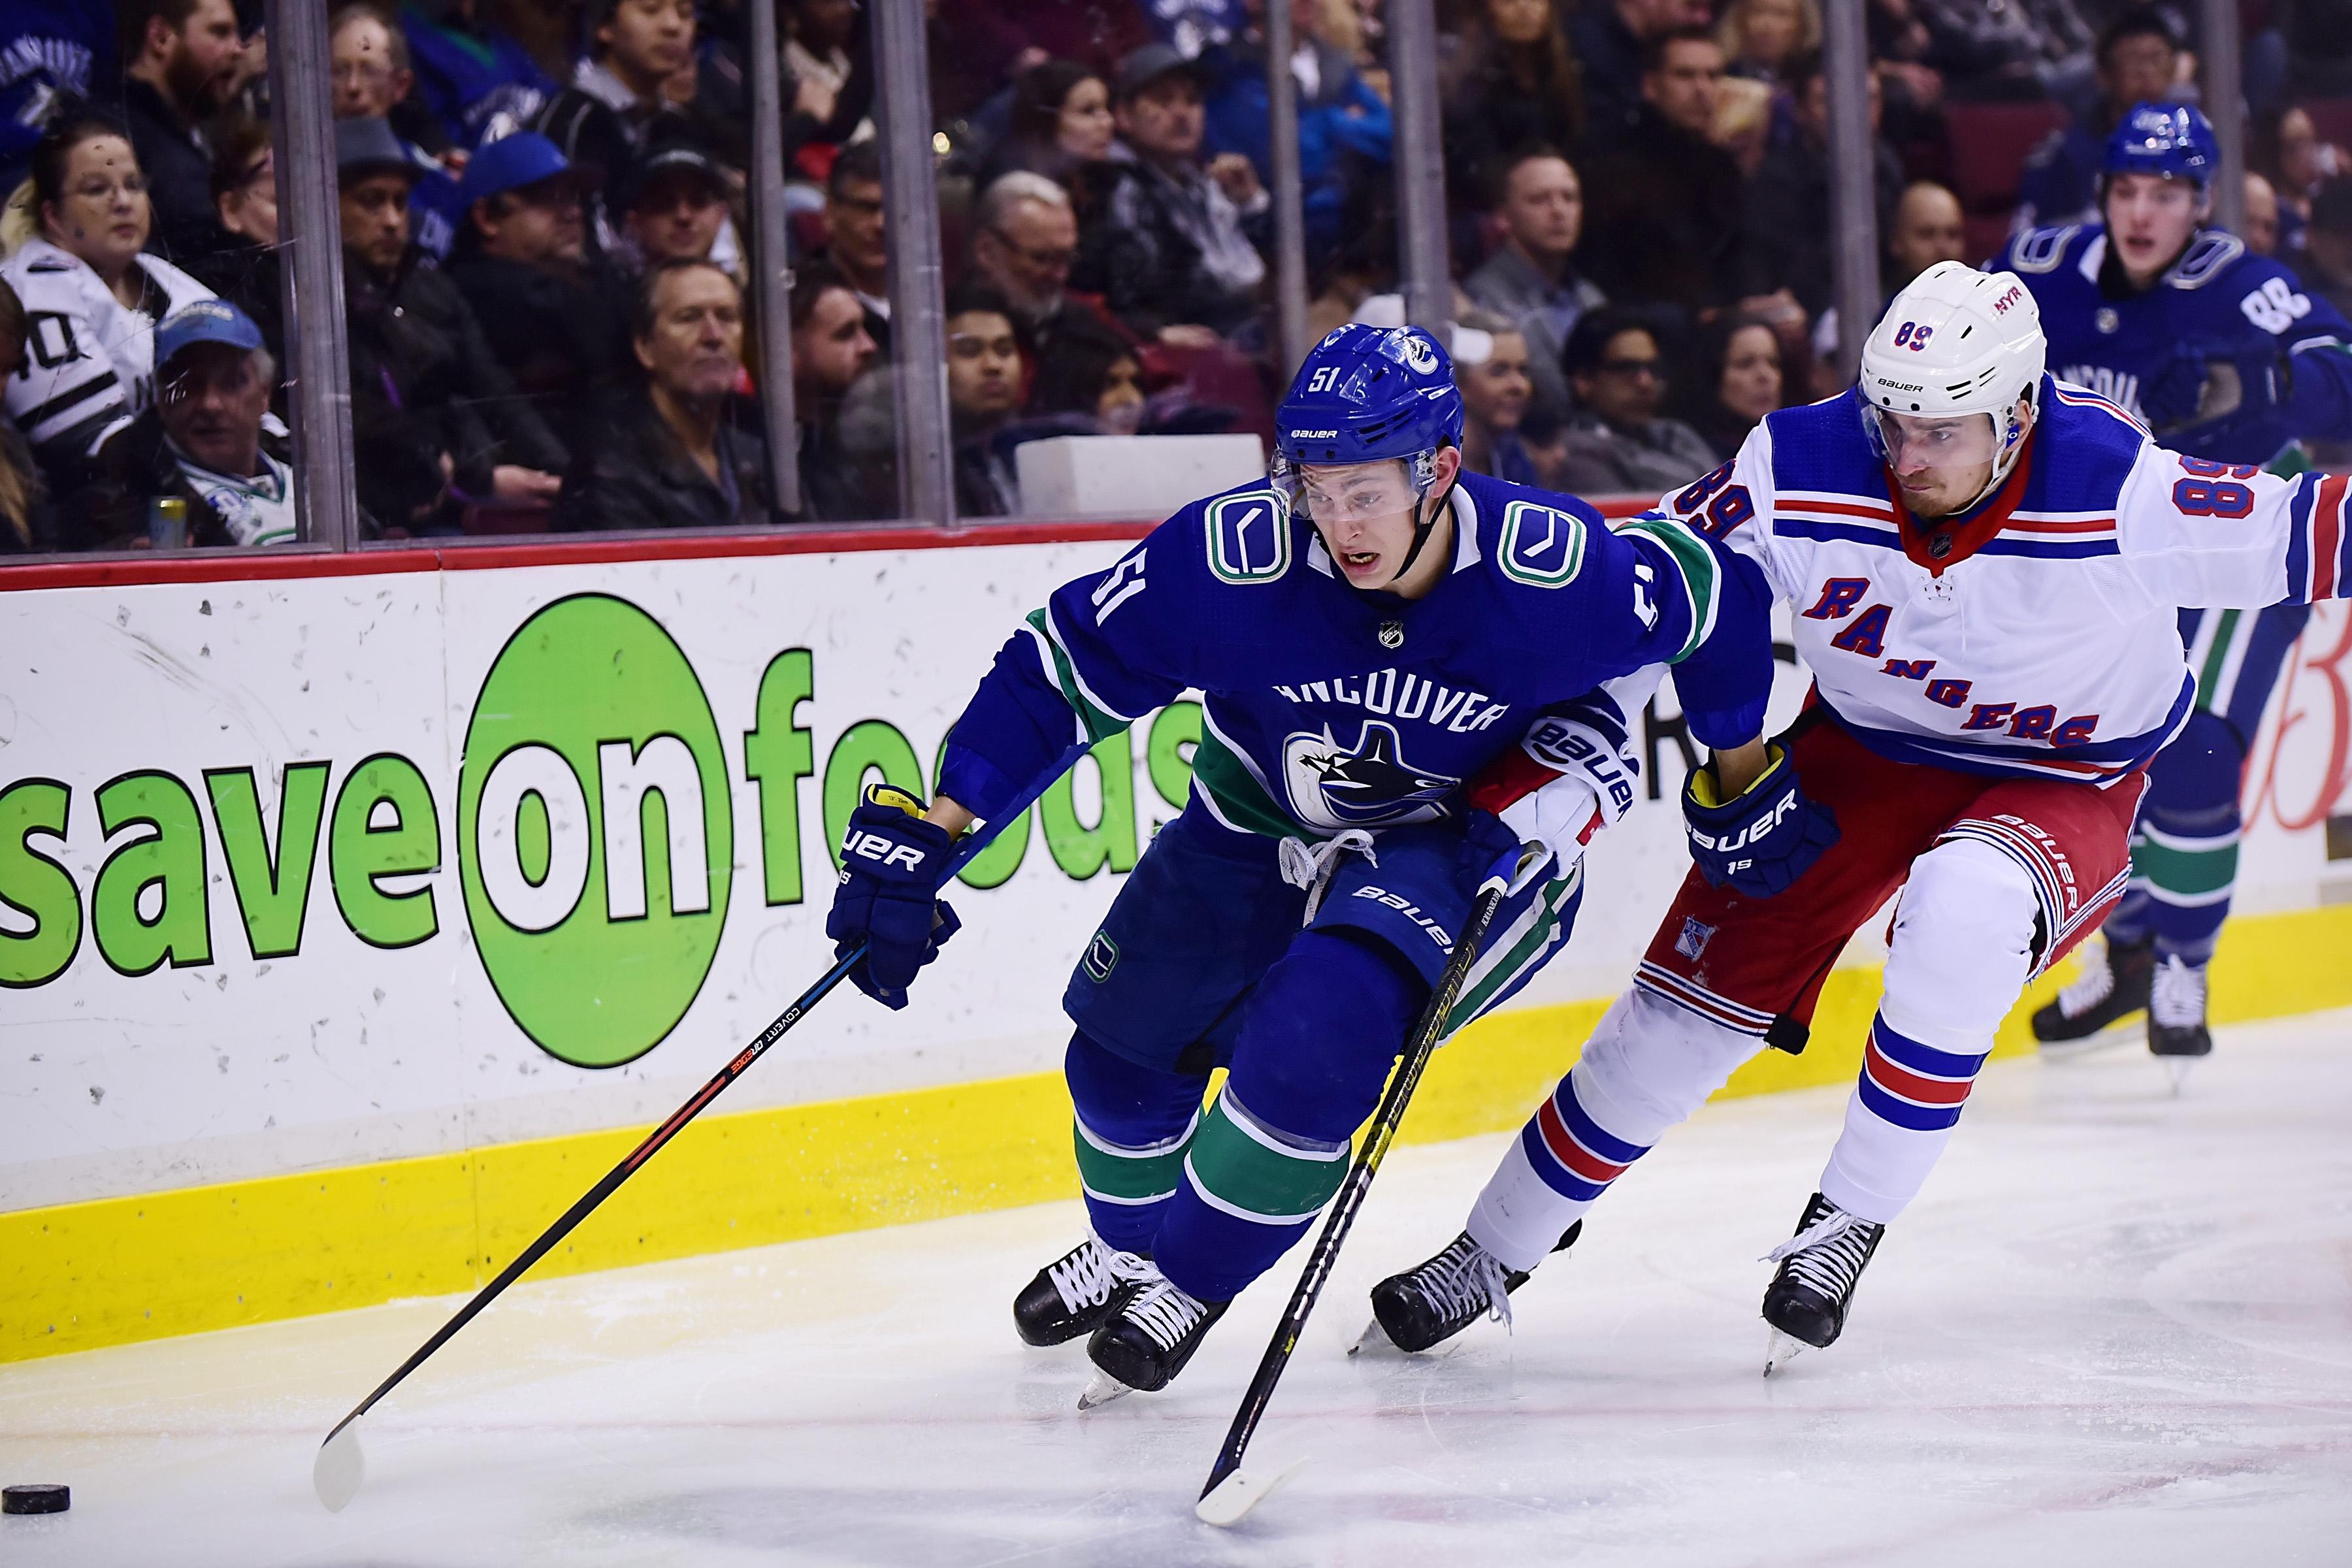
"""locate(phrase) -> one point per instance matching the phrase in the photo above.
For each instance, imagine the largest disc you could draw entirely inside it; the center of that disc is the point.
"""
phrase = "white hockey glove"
(1572, 775)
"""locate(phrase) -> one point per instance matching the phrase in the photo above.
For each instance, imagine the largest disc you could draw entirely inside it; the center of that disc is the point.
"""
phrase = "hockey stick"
(1231, 1491)
(341, 1468)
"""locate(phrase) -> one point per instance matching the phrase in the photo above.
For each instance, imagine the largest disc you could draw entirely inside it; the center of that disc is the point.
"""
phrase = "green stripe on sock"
(1125, 1177)
(1269, 1183)
(1098, 722)
(2185, 871)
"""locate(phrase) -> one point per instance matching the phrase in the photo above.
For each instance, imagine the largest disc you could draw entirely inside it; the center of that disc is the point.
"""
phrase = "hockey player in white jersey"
(1985, 567)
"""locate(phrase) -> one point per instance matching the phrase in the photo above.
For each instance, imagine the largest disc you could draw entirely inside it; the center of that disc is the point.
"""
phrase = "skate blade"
(1102, 1391)
(1782, 1348)
(2107, 1039)
(340, 1469)
(2176, 1070)
(1238, 1493)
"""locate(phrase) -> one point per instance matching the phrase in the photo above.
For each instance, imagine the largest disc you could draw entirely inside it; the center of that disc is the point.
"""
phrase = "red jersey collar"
(1961, 536)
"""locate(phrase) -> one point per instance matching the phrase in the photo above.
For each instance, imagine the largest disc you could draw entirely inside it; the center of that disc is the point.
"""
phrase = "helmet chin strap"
(1424, 524)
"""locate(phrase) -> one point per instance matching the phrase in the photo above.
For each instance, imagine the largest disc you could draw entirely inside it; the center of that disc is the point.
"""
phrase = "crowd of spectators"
(545, 233)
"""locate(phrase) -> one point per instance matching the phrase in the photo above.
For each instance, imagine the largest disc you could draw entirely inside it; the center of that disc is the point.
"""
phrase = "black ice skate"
(2175, 1017)
(2114, 985)
(1153, 1330)
(1429, 1304)
(1072, 1297)
(1806, 1302)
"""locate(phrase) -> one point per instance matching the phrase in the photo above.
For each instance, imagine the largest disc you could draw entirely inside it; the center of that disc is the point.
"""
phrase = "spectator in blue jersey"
(2138, 62)
(479, 82)
(2230, 360)
(1532, 278)
(1618, 444)
(52, 52)
(368, 58)
(1490, 369)
(1172, 245)
(1345, 134)
(180, 62)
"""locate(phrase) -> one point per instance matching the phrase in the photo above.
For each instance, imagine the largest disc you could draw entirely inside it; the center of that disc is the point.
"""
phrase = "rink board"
(380, 1074)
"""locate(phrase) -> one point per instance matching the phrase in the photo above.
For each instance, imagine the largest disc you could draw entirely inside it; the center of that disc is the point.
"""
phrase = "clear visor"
(1349, 492)
(1909, 442)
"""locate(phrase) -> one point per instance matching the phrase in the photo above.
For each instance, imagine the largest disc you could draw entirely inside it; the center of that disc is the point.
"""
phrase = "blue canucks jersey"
(1327, 708)
(2218, 303)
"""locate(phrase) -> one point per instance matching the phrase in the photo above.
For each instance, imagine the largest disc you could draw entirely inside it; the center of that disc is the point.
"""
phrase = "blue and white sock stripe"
(1696, 998)
(1911, 1085)
(1573, 1155)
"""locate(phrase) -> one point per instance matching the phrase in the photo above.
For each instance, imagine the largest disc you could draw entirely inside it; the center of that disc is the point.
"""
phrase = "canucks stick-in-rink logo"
(1368, 785)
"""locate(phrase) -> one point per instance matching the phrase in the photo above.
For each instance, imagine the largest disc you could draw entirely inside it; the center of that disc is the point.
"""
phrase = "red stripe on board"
(1911, 1086)
(2327, 536)
(1580, 1161)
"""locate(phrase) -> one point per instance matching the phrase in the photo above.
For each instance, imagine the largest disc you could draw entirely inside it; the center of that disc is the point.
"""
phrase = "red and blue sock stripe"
(1573, 1155)
(1914, 1085)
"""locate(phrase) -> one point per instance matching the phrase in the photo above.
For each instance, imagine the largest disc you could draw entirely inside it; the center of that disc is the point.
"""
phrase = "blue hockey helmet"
(1369, 394)
(2172, 139)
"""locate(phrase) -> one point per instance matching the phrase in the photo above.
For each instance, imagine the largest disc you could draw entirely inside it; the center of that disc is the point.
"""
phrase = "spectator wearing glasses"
(858, 232)
(1024, 236)
(182, 61)
(831, 349)
(368, 58)
(435, 418)
(1532, 278)
(672, 453)
(91, 295)
(1618, 444)
(552, 315)
(1173, 248)
(202, 443)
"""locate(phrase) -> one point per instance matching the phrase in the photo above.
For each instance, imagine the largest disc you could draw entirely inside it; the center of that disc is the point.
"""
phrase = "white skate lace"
(1310, 866)
(1091, 1272)
(1828, 1254)
(1465, 1280)
(2176, 995)
(1164, 1312)
(2093, 986)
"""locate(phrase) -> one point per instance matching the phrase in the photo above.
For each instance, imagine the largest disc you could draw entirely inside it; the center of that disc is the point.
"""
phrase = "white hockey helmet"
(1956, 341)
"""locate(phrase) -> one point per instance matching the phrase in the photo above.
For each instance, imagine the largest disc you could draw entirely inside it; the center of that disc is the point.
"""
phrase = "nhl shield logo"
(2106, 321)
(1392, 634)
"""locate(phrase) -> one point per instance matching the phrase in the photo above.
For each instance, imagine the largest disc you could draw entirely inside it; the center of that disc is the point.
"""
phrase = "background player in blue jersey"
(1371, 627)
(2224, 356)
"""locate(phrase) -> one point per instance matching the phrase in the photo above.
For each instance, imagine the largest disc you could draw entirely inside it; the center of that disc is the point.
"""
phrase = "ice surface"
(2117, 1328)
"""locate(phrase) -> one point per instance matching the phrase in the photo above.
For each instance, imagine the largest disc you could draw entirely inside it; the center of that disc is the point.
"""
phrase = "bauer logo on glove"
(1763, 839)
(893, 865)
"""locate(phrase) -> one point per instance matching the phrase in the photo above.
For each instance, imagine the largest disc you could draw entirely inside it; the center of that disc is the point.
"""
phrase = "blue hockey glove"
(2200, 389)
(1764, 838)
(893, 865)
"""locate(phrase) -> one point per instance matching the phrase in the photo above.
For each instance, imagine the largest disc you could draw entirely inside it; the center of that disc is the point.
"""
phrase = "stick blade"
(341, 1468)
(1224, 1504)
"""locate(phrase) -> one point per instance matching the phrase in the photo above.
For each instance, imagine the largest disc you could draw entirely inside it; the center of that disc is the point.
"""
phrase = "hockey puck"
(40, 1498)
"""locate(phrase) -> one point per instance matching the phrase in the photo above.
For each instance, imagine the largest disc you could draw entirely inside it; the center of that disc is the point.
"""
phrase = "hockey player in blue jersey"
(1371, 626)
(2222, 353)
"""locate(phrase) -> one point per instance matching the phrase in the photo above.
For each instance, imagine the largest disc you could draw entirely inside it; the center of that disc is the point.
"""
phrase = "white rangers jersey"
(2037, 635)
(90, 360)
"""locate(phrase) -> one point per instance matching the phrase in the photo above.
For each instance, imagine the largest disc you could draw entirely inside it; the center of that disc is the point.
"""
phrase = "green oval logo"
(594, 831)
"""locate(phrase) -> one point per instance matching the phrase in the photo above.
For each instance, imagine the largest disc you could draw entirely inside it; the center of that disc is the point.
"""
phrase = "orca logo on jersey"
(1368, 785)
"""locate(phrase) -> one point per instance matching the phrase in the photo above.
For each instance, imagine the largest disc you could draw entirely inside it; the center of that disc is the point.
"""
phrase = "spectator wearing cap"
(201, 443)
(476, 81)
(857, 240)
(1173, 246)
(1617, 443)
(1490, 367)
(831, 349)
(672, 452)
(553, 315)
(182, 60)
(1532, 278)
(436, 421)
(616, 109)
(676, 209)
(368, 58)
(2138, 62)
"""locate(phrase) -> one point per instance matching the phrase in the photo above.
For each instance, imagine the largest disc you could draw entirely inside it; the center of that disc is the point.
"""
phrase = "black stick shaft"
(1385, 1120)
(613, 1178)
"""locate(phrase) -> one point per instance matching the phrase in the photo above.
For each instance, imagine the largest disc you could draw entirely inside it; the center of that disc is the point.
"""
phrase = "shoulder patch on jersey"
(2205, 259)
(2042, 249)
(1249, 537)
(1542, 546)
